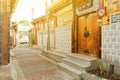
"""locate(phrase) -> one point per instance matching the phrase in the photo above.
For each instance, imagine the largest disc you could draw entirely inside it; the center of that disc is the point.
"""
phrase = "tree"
(24, 23)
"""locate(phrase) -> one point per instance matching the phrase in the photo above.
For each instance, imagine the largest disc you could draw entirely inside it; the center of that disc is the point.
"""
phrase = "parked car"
(23, 41)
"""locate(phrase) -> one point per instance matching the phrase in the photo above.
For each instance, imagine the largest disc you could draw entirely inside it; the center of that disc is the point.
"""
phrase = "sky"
(24, 10)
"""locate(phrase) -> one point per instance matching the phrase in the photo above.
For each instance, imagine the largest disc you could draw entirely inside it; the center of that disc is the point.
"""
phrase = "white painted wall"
(45, 36)
(39, 38)
(63, 38)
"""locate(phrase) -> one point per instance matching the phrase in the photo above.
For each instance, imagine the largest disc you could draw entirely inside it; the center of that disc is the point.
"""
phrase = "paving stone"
(35, 67)
(5, 72)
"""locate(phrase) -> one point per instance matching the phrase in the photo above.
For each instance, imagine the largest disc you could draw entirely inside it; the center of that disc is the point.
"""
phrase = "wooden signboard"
(83, 4)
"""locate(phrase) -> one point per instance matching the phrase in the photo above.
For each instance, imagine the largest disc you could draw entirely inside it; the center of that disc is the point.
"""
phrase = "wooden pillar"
(5, 13)
(101, 3)
(43, 32)
(35, 33)
(55, 26)
(74, 29)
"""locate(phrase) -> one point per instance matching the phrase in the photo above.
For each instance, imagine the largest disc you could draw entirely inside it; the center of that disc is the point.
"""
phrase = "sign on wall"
(87, 4)
(115, 18)
(83, 5)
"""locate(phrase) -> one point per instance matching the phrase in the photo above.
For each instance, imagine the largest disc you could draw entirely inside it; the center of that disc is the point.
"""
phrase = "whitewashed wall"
(52, 38)
(45, 36)
(39, 38)
(111, 41)
(63, 38)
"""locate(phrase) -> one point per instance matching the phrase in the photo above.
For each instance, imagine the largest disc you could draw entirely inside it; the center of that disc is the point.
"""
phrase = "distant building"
(13, 32)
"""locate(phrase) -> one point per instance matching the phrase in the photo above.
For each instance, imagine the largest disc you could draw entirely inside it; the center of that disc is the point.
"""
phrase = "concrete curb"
(16, 71)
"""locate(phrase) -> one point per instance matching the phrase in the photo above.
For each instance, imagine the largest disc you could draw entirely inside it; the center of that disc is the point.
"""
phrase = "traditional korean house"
(62, 12)
(88, 29)
(40, 31)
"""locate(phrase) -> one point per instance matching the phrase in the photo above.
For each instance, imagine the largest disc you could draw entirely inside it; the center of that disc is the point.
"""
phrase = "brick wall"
(111, 41)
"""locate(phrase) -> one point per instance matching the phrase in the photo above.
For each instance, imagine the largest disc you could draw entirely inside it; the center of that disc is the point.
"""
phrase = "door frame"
(75, 33)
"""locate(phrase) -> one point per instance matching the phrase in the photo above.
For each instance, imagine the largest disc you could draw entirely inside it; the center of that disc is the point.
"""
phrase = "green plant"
(103, 65)
(106, 65)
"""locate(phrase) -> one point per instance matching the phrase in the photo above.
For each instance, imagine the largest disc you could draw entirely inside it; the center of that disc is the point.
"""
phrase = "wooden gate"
(88, 35)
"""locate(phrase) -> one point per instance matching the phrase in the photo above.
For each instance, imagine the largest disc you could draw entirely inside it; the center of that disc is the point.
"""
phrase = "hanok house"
(60, 24)
(83, 29)
(40, 31)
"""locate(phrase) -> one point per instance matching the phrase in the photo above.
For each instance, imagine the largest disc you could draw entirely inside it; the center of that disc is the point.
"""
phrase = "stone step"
(53, 55)
(81, 58)
(60, 52)
(56, 53)
(70, 70)
(78, 65)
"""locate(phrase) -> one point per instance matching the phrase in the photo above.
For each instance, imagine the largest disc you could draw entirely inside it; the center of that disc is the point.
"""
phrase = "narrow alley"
(59, 39)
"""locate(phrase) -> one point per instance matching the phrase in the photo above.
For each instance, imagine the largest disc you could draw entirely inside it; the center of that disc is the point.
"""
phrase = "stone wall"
(63, 38)
(111, 41)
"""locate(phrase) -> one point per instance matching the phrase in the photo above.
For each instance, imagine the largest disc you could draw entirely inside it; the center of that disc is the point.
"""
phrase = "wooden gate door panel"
(81, 38)
(87, 45)
(92, 27)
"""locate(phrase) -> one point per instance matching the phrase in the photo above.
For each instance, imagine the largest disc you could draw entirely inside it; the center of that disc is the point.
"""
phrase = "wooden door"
(88, 35)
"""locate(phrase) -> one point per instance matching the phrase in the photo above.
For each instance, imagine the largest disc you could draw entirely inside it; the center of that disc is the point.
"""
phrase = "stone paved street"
(5, 72)
(31, 66)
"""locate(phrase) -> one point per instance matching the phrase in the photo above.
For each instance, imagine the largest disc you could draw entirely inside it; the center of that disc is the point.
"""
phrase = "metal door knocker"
(86, 34)
(86, 51)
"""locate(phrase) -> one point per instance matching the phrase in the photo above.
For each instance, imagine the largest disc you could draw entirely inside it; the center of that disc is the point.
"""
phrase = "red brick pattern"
(35, 67)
